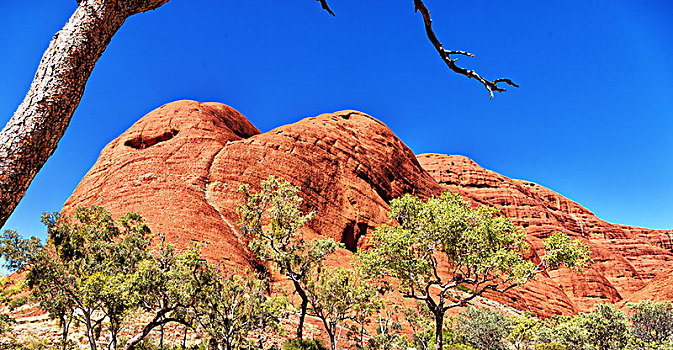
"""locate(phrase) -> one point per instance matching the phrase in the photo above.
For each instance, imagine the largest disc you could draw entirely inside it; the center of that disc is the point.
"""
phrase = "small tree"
(523, 331)
(8, 292)
(652, 322)
(83, 272)
(169, 286)
(388, 332)
(235, 306)
(272, 219)
(420, 321)
(607, 327)
(484, 329)
(442, 243)
(338, 296)
(572, 334)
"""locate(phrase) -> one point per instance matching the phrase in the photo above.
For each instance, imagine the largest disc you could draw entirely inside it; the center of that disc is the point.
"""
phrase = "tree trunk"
(332, 341)
(145, 331)
(439, 324)
(184, 339)
(31, 135)
(304, 307)
(90, 334)
(161, 337)
(65, 321)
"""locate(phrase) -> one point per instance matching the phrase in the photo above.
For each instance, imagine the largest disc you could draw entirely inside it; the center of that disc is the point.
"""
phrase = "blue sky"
(593, 119)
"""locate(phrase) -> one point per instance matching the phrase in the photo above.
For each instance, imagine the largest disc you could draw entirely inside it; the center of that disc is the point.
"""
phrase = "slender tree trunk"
(65, 321)
(161, 337)
(31, 135)
(332, 340)
(90, 334)
(144, 332)
(184, 339)
(304, 307)
(439, 324)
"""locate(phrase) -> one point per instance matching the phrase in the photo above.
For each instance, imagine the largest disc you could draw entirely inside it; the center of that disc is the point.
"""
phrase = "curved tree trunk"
(31, 136)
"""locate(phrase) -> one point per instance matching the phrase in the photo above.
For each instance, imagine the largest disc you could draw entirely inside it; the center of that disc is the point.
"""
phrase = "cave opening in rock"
(141, 142)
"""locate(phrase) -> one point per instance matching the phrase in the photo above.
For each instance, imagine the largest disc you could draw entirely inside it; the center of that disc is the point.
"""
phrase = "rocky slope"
(180, 167)
(625, 258)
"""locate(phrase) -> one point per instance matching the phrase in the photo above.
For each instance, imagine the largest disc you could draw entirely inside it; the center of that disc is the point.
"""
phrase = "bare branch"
(451, 62)
(325, 6)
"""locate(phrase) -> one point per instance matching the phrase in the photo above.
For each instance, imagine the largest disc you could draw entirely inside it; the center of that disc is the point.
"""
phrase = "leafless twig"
(451, 62)
(325, 6)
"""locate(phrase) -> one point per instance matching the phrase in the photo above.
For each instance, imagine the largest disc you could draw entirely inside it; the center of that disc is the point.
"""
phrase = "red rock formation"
(625, 258)
(658, 289)
(180, 167)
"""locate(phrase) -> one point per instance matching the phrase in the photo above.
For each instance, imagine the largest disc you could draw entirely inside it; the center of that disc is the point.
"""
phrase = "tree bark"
(304, 307)
(158, 320)
(90, 333)
(439, 324)
(31, 135)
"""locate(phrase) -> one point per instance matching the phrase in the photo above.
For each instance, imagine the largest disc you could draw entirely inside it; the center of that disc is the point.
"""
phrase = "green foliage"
(307, 344)
(83, 271)
(389, 334)
(573, 333)
(8, 291)
(234, 306)
(523, 331)
(31, 344)
(420, 319)
(169, 284)
(339, 295)
(17, 251)
(652, 322)
(484, 329)
(18, 302)
(562, 250)
(478, 250)
(607, 327)
(445, 228)
(549, 346)
(272, 218)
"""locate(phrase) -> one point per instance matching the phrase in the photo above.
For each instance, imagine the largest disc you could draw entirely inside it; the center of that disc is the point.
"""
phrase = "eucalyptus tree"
(84, 271)
(236, 305)
(339, 295)
(484, 329)
(169, 286)
(652, 323)
(272, 219)
(32, 134)
(437, 245)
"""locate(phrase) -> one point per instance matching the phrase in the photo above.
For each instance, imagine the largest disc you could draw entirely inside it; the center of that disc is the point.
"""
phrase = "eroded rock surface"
(180, 167)
(625, 258)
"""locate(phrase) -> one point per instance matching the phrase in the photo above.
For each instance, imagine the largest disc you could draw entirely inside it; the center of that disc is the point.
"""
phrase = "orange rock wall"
(180, 167)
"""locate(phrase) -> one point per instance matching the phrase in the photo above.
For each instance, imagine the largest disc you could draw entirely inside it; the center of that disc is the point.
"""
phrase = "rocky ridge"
(180, 167)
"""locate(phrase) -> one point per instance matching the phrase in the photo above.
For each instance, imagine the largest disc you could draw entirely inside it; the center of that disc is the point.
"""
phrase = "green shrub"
(483, 329)
(18, 302)
(308, 344)
(549, 346)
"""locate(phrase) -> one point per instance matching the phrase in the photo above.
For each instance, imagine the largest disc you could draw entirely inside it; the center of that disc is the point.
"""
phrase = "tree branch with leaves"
(434, 246)
(272, 219)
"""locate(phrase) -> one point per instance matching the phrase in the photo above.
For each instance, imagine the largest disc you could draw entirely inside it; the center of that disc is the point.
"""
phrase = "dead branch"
(325, 6)
(451, 62)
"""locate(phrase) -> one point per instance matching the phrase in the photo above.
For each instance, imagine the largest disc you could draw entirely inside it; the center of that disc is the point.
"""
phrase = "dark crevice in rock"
(140, 142)
(352, 233)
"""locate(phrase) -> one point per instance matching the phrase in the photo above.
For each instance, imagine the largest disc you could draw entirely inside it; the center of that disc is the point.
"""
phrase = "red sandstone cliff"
(625, 258)
(180, 167)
